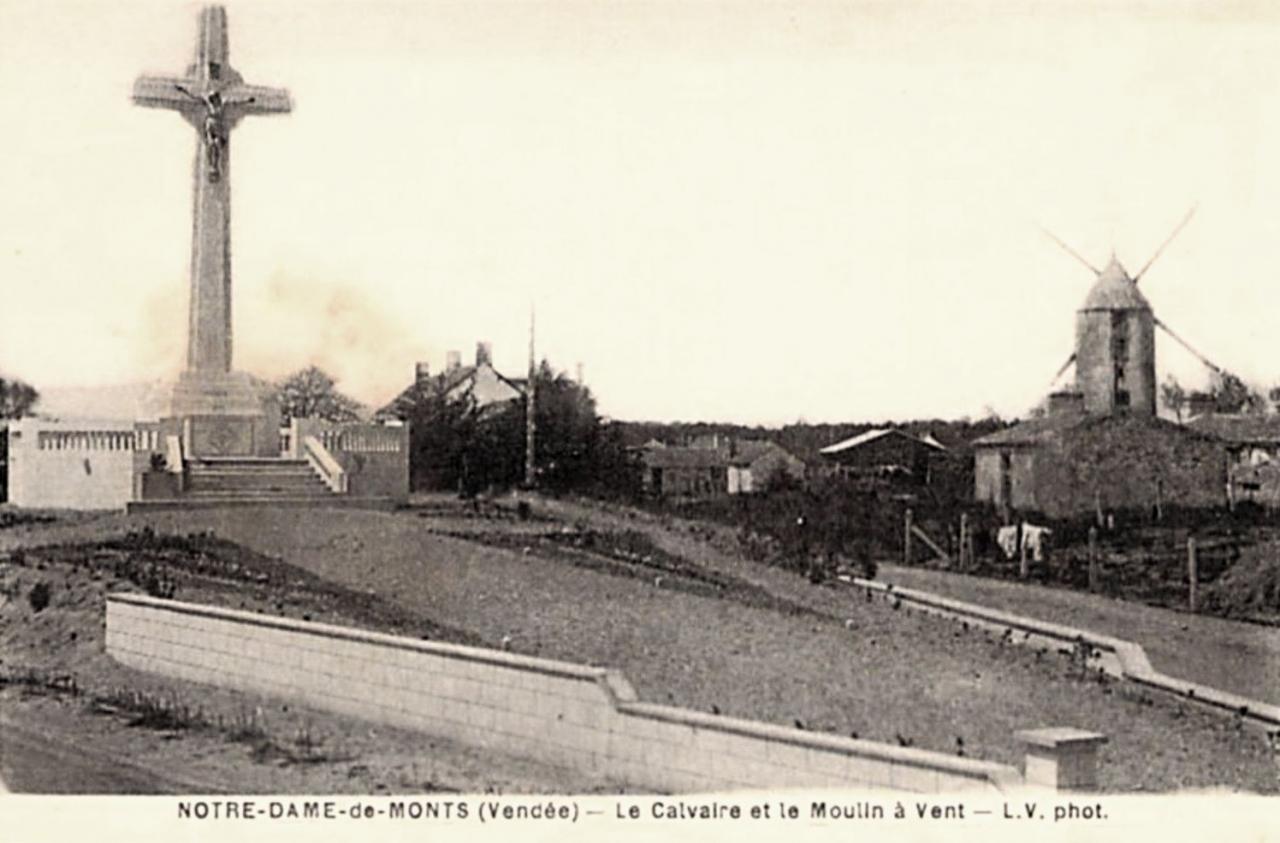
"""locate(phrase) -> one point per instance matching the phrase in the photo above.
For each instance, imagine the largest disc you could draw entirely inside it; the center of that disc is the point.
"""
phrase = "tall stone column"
(221, 412)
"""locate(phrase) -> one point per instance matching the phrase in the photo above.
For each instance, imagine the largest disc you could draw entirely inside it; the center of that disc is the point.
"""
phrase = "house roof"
(1115, 290)
(1038, 431)
(458, 381)
(1239, 429)
(879, 433)
(674, 457)
(1033, 431)
(747, 451)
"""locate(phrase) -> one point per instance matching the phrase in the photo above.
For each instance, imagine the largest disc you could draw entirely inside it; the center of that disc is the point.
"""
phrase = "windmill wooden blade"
(1205, 360)
(1068, 249)
(1165, 244)
(1065, 366)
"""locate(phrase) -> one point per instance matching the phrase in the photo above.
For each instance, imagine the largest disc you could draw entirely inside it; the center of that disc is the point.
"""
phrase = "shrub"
(39, 596)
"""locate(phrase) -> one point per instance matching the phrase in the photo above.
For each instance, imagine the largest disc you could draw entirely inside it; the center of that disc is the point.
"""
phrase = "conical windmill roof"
(1115, 290)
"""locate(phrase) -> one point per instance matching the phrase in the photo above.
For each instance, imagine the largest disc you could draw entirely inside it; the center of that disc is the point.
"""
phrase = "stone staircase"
(257, 479)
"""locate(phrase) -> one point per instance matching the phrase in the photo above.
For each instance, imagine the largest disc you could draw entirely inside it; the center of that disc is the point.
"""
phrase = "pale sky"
(752, 212)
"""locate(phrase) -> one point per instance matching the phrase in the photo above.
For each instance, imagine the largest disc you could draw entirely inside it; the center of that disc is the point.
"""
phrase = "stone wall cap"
(1060, 736)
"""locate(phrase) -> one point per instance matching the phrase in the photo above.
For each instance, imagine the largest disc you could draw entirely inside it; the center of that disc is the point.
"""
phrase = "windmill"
(1114, 355)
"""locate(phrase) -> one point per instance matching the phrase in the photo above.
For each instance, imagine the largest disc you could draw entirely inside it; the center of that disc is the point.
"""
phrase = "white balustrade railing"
(325, 465)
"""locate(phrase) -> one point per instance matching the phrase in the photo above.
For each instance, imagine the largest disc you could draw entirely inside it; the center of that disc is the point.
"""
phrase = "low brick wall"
(583, 717)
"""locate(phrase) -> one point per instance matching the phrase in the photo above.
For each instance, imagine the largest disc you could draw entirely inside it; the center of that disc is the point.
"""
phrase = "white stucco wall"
(71, 464)
(563, 713)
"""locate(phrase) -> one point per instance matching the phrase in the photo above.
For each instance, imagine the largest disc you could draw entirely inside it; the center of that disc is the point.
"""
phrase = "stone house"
(756, 464)
(1073, 463)
(1254, 444)
(488, 390)
(716, 465)
(684, 473)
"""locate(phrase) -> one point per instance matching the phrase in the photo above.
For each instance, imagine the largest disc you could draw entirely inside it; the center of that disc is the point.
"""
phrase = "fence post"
(964, 541)
(906, 539)
(1192, 576)
(1023, 568)
(1093, 559)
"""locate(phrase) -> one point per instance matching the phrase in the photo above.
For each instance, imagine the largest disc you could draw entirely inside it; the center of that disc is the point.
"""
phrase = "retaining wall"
(584, 717)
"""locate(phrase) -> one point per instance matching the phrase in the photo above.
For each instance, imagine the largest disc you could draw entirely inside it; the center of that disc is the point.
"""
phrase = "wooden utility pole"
(530, 414)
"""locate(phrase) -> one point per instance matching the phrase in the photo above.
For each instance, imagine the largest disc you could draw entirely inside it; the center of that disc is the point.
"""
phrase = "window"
(1120, 356)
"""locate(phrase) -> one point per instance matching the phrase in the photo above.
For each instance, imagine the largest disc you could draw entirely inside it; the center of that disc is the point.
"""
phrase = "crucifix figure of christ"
(212, 97)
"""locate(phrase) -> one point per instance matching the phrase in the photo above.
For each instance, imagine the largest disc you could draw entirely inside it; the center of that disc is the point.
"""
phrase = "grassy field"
(824, 658)
(1236, 656)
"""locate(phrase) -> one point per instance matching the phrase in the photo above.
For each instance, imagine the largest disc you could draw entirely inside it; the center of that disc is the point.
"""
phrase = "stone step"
(316, 502)
(219, 466)
(256, 495)
(252, 477)
(276, 488)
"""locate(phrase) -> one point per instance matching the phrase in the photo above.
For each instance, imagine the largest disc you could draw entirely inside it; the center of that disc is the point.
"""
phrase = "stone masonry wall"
(1125, 460)
(584, 717)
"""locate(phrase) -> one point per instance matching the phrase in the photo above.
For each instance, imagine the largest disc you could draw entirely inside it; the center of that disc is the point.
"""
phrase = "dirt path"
(1231, 655)
(33, 762)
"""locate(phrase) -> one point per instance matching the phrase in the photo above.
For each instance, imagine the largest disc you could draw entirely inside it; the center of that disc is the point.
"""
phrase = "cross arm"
(164, 92)
(256, 99)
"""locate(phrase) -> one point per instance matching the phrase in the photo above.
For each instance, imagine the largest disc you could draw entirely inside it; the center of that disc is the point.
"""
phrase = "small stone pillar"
(1061, 758)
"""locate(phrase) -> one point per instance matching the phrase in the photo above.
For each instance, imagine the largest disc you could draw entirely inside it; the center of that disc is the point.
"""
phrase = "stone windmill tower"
(1115, 353)
(1116, 347)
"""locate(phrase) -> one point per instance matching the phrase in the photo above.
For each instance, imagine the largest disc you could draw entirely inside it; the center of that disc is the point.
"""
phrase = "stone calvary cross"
(213, 98)
(221, 412)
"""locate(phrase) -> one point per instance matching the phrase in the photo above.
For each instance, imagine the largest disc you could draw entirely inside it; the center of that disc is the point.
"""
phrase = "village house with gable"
(716, 465)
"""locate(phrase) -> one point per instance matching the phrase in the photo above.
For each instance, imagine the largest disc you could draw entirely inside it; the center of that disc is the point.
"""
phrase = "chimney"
(421, 372)
(484, 354)
(1065, 402)
(452, 360)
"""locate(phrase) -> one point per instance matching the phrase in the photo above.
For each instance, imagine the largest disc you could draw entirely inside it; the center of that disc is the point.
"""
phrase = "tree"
(455, 444)
(1173, 396)
(568, 434)
(310, 393)
(1232, 395)
(16, 398)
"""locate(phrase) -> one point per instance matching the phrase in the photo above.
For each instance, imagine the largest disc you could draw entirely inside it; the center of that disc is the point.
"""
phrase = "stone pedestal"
(1062, 758)
(226, 415)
